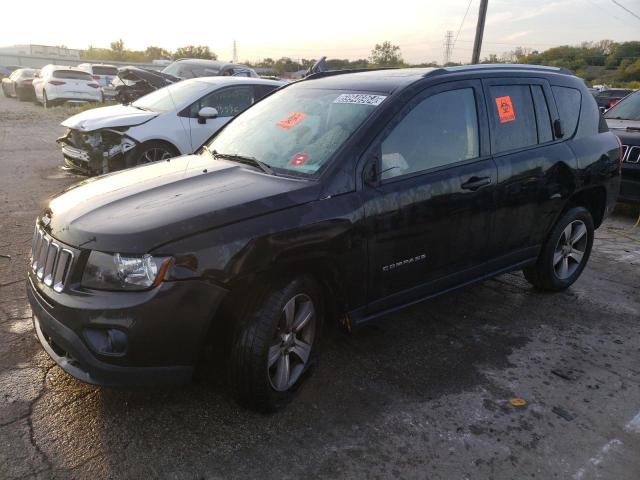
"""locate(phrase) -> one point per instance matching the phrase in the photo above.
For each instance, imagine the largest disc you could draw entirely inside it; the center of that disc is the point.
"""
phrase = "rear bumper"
(162, 348)
(74, 97)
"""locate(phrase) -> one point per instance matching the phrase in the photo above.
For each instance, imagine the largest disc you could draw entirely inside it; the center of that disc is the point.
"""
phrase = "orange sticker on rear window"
(505, 109)
(291, 120)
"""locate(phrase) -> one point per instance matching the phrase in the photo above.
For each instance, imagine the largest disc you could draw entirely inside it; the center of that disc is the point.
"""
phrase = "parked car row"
(19, 84)
(607, 98)
(342, 197)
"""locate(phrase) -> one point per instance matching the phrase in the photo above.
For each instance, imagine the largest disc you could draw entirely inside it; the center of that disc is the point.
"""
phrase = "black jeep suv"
(624, 121)
(343, 196)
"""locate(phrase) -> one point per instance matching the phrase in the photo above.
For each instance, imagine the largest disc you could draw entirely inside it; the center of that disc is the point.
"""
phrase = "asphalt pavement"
(495, 381)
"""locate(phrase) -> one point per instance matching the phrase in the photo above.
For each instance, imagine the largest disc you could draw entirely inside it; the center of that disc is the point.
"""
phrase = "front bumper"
(630, 183)
(165, 330)
(95, 160)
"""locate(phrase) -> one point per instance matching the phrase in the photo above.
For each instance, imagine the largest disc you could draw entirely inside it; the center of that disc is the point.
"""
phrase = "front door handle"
(474, 183)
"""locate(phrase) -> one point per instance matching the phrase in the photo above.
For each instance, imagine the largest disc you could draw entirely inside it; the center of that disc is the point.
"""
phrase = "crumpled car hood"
(137, 209)
(108, 117)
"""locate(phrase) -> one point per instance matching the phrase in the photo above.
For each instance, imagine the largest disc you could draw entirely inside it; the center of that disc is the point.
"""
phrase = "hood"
(617, 124)
(156, 79)
(627, 130)
(136, 210)
(109, 117)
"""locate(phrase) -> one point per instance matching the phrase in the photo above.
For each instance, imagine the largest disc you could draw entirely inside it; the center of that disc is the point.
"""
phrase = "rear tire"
(275, 344)
(565, 252)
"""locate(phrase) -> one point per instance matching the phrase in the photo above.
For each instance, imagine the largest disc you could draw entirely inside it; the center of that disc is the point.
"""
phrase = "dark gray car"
(624, 120)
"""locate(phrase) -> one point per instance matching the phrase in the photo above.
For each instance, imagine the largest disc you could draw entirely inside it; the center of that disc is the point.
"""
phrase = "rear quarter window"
(568, 101)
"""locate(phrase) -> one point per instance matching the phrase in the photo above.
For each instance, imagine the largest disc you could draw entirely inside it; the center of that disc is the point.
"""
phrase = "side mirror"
(206, 113)
(602, 109)
(370, 175)
(558, 131)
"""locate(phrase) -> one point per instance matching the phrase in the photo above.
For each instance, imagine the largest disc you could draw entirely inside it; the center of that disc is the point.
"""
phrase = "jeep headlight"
(106, 271)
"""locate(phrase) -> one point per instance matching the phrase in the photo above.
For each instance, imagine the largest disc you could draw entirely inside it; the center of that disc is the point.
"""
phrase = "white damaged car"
(175, 120)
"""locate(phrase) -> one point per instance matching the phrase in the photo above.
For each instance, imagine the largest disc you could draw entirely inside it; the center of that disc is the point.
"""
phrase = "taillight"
(56, 82)
(96, 77)
(93, 85)
(612, 102)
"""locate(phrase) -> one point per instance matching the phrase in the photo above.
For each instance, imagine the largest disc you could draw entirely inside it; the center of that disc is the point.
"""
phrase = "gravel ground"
(425, 394)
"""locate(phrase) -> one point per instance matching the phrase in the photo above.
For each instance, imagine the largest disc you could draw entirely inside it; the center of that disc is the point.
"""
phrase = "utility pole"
(477, 44)
(235, 52)
(448, 47)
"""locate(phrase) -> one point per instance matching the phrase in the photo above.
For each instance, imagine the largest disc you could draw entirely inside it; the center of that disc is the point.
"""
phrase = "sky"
(303, 29)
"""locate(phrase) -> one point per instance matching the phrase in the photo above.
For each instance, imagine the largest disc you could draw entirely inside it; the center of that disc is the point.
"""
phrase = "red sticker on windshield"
(505, 109)
(299, 159)
(291, 120)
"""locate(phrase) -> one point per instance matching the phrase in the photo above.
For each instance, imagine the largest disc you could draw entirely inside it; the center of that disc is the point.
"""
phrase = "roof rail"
(331, 73)
(498, 66)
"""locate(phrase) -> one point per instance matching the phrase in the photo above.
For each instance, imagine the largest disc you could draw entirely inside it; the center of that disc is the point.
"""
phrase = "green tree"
(386, 54)
(156, 53)
(191, 51)
(118, 50)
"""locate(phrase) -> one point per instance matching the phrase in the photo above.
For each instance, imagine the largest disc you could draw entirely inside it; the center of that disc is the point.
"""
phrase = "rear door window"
(543, 119)
(568, 102)
(441, 130)
(262, 90)
(513, 119)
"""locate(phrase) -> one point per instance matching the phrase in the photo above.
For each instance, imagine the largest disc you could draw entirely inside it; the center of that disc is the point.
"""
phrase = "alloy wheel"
(290, 347)
(570, 249)
(154, 154)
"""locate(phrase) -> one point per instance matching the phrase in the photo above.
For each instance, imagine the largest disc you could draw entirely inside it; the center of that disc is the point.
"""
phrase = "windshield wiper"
(251, 161)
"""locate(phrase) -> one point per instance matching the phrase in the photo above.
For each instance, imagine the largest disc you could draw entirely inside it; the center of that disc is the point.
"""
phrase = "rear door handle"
(474, 183)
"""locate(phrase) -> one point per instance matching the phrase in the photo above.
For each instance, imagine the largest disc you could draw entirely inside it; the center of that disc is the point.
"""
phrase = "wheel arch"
(161, 140)
(592, 198)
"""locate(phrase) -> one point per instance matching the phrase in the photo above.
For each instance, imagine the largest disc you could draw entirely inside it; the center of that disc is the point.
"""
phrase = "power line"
(462, 22)
(626, 9)
(597, 5)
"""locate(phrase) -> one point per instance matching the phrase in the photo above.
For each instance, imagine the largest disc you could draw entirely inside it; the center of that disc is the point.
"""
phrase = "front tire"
(565, 253)
(154, 151)
(275, 344)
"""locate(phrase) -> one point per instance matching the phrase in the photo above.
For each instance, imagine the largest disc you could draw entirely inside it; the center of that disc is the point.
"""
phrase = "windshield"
(190, 70)
(172, 96)
(104, 70)
(297, 129)
(627, 109)
(71, 75)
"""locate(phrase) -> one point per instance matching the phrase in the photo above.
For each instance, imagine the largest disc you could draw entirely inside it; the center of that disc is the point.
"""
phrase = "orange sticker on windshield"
(505, 109)
(291, 120)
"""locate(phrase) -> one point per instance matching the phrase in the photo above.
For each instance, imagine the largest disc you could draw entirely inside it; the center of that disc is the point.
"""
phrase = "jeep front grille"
(631, 153)
(50, 261)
